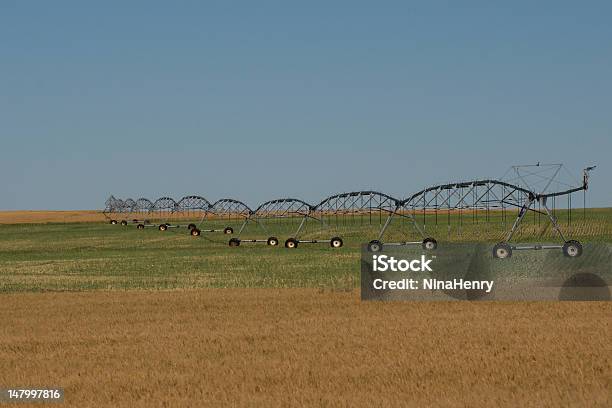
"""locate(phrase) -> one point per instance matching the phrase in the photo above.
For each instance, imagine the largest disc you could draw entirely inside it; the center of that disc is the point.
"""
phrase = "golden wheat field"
(303, 347)
(43, 216)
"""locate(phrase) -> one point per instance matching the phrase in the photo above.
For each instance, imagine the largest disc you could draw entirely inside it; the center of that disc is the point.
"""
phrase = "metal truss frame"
(112, 206)
(275, 209)
(117, 210)
(225, 207)
(485, 195)
(162, 209)
(367, 203)
(142, 209)
(488, 194)
(191, 205)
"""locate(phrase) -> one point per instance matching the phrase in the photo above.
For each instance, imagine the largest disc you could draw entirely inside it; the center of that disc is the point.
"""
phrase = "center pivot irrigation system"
(290, 214)
(191, 212)
(225, 210)
(531, 186)
(344, 212)
(366, 206)
(119, 211)
(113, 209)
(190, 208)
(526, 189)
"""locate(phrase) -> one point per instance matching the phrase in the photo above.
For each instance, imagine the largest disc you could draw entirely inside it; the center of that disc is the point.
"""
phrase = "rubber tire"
(273, 241)
(429, 244)
(291, 243)
(572, 249)
(162, 227)
(134, 221)
(502, 251)
(191, 226)
(124, 223)
(375, 246)
(228, 230)
(234, 242)
(113, 222)
(140, 226)
(195, 232)
(336, 242)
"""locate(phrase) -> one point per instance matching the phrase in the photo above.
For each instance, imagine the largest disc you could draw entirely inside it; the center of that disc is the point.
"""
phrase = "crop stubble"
(303, 347)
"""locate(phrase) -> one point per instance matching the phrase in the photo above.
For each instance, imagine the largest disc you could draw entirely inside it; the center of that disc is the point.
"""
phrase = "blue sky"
(258, 100)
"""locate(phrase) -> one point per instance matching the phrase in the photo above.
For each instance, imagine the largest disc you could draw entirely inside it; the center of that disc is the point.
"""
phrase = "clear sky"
(258, 99)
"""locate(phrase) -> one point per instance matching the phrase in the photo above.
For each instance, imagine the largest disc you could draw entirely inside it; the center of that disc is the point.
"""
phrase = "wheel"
(147, 221)
(502, 251)
(228, 230)
(375, 246)
(195, 232)
(572, 248)
(134, 221)
(163, 227)
(291, 243)
(336, 242)
(191, 226)
(124, 223)
(234, 242)
(273, 241)
(429, 244)
(113, 222)
(140, 226)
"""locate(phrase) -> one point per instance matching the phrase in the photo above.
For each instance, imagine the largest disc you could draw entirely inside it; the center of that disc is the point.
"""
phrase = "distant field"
(304, 347)
(38, 217)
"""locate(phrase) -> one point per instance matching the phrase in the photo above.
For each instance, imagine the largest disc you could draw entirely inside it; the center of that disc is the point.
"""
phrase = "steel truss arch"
(366, 202)
(189, 209)
(466, 195)
(142, 210)
(224, 209)
(357, 201)
(162, 210)
(164, 203)
(493, 194)
(129, 205)
(117, 210)
(143, 205)
(193, 202)
(112, 206)
(229, 206)
(280, 208)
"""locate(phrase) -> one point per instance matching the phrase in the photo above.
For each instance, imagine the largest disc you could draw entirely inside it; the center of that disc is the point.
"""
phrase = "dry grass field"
(303, 347)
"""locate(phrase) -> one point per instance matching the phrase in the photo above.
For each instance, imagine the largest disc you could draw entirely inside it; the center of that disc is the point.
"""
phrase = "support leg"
(387, 222)
(553, 220)
(519, 218)
(300, 227)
